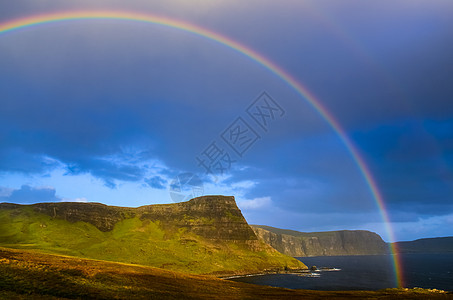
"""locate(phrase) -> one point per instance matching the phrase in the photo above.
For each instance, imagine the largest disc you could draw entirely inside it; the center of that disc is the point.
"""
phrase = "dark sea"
(371, 272)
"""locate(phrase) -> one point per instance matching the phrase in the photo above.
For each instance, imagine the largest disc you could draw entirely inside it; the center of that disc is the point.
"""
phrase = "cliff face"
(204, 235)
(212, 217)
(299, 244)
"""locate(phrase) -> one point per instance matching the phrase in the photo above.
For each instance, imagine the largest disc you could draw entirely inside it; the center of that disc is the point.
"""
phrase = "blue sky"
(113, 111)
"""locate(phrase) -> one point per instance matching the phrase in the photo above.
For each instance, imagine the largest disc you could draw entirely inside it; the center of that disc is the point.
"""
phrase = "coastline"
(26, 274)
(266, 272)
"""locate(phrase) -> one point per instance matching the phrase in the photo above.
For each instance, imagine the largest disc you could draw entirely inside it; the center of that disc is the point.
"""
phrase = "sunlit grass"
(135, 241)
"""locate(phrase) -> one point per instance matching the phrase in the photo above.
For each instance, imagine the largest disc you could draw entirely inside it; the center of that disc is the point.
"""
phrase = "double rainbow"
(22, 23)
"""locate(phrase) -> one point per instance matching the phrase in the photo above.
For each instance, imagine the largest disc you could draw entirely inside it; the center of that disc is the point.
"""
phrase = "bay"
(367, 272)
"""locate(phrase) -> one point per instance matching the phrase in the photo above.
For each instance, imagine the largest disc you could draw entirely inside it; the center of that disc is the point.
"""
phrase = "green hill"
(206, 235)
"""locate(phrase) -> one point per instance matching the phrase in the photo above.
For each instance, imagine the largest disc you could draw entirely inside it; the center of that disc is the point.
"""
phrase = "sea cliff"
(329, 243)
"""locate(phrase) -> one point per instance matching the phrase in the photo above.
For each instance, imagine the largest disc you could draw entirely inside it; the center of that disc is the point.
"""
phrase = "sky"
(130, 114)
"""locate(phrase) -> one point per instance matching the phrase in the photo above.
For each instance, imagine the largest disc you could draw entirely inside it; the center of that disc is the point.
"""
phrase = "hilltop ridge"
(225, 219)
(206, 235)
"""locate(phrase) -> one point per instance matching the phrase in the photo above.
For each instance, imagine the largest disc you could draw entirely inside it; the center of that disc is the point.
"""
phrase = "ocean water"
(371, 272)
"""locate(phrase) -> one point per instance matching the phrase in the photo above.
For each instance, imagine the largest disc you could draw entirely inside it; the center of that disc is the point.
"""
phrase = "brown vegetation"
(30, 274)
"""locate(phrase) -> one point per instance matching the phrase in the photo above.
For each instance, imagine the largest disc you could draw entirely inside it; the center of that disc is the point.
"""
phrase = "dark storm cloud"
(107, 170)
(81, 105)
(412, 161)
(19, 161)
(368, 61)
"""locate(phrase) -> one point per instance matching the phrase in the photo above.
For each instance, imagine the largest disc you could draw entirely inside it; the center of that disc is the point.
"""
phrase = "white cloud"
(245, 184)
(255, 203)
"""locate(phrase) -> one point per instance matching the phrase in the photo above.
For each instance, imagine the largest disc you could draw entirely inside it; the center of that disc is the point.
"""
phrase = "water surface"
(370, 272)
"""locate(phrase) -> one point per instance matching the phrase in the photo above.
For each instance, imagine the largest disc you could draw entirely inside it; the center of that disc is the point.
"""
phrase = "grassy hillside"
(138, 240)
(25, 274)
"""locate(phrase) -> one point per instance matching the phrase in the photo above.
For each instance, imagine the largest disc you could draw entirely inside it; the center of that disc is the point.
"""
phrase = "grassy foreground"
(26, 274)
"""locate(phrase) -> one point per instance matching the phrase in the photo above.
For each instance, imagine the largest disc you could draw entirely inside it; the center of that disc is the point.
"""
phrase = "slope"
(204, 235)
(25, 274)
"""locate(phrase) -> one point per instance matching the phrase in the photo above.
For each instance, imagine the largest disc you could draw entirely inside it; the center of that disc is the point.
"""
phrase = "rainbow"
(31, 21)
